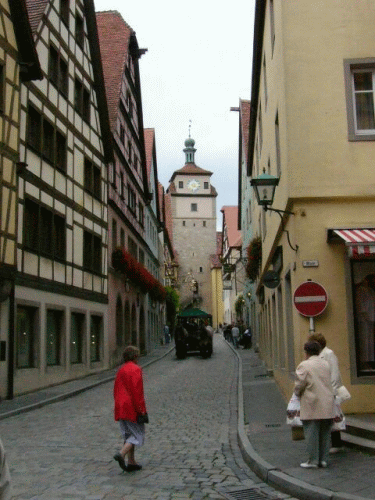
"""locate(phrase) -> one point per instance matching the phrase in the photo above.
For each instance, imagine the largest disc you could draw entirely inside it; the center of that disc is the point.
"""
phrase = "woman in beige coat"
(313, 386)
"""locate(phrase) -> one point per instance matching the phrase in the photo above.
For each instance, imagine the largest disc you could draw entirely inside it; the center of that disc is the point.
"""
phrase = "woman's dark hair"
(318, 337)
(312, 348)
(130, 353)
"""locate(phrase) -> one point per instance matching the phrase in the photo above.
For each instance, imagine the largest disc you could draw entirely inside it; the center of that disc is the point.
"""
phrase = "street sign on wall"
(310, 299)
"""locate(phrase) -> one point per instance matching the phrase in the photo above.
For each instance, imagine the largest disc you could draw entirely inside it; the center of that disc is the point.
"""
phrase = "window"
(48, 141)
(184, 223)
(129, 103)
(201, 269)
(92, 179)
(44, 138)
(82, 100)
(95, 338)
(141, 257)
(180, 184)
(34, 129)
(132, 203)
(64, 11)
(26, 337)
(122, 134)
(2, 88)
(133, 248)
(205, 185)
(77, 335)
(194, 207)
(54, 337)
(58, 71)
(141, 214)
(122, 237)
(44, 231)
(204, 223)
(92, 252)
(122, 185)
(114, 235)
(360, 89)
(130, 151)
(265, 82)
(277, 144)
(272, 21)
(80, 33)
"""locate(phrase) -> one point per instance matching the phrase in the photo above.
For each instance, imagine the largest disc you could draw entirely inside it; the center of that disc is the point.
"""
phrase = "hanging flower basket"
(125, 263)
(254, 258)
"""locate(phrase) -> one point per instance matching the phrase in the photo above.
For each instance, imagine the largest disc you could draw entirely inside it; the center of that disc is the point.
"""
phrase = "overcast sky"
(197, 66)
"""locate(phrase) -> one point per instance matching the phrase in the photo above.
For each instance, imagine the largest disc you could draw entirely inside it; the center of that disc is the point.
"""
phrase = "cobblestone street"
(64, 450)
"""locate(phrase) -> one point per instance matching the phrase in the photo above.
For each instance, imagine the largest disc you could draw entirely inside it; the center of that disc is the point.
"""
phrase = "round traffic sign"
(310, 299)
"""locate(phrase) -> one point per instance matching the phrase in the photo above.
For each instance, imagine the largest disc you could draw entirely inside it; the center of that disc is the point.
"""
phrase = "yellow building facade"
(312, 126)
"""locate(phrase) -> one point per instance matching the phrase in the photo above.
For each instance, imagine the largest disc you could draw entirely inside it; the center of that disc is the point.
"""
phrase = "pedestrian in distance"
(130, 408)
(5, 486)
(314, 388)
(331, 358)
(166, 334)
(246, 338)
(235, 335)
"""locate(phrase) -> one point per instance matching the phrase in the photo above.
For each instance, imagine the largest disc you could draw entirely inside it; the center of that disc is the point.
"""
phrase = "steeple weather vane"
(189, 128)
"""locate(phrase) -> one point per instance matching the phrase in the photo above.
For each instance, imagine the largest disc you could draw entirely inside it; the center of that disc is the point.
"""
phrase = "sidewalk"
(267, 446)
(28, 402)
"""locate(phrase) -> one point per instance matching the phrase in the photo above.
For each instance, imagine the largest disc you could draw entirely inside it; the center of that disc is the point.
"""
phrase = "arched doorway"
(134, 326)
(127, 323)
(142, 336)
(119, 322)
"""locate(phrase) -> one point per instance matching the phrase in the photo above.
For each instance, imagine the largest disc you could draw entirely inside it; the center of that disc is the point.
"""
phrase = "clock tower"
(193, 202)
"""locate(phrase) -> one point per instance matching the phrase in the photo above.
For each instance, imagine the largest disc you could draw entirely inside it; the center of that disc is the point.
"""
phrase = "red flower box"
(125, 263)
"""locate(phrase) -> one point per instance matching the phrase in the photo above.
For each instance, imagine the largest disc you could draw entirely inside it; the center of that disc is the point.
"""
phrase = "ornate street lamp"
(264, 188)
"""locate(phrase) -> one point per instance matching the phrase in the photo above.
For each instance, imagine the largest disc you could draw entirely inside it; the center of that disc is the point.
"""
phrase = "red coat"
(128, 393)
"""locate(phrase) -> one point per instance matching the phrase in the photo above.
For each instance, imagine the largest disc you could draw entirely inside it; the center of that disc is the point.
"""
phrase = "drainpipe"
(10, 394)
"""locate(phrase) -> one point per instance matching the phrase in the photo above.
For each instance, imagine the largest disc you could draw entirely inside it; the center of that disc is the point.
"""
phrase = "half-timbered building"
(61, 291)
(128, 194)
(18, 62)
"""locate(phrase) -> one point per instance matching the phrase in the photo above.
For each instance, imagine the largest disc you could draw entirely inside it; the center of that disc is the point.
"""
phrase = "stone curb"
(73, 392)
(270, 474)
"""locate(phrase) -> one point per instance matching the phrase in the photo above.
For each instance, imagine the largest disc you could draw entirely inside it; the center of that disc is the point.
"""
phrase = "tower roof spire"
(189, 148)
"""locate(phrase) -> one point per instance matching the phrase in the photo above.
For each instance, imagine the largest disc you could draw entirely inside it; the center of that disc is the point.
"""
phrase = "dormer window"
(180, 184)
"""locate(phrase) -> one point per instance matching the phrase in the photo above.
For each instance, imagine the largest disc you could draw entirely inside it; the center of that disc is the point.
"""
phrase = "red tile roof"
(190, 168)
(149, 134)
(215, 262)
(114, 36)
(230, 218)
(35, 9)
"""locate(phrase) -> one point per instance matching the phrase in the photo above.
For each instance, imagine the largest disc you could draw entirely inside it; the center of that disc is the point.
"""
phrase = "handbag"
(343, 394)
(142, 419)
(339, 422)
(293, 418)
(293, 412)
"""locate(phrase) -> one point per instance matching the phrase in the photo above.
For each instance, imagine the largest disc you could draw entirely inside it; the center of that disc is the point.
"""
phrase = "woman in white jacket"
(313, 386)
(332, 360)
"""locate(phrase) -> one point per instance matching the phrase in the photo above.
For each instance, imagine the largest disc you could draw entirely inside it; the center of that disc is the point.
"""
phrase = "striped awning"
(360, 242)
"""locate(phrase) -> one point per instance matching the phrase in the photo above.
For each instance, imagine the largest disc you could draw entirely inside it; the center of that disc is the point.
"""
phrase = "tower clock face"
(194, 185)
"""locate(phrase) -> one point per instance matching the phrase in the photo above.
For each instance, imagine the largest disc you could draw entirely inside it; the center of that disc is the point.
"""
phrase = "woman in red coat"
(129, 406)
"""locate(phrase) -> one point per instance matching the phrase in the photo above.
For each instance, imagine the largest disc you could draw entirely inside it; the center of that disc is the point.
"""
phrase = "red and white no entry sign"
(310, 299)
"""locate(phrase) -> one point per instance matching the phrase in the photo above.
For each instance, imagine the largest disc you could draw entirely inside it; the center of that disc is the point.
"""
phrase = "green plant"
(254, 258)
(238, 305)
(172, 302)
